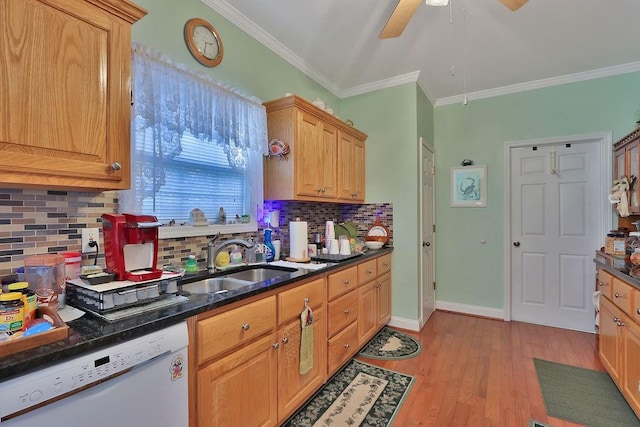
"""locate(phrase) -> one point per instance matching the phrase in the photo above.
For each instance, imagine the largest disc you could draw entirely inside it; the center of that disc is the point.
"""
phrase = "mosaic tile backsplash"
(38, 221)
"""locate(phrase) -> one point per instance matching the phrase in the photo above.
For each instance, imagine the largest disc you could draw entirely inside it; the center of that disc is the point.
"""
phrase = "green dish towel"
(306, 340)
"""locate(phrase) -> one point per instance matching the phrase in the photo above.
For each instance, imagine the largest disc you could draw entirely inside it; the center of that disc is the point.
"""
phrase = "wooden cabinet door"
(631, 386)
(65, 104)
(384, 299)
(351, 168)
(294, 388)
(367, 311)
(610, 351)
(240, 389)
(307, 154)
(341, 347)
(605, 281)
(327, 162)
(633, 159)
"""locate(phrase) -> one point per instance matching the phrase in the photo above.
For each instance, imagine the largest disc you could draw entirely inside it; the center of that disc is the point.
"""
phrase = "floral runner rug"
(391, 344)
(358, 395)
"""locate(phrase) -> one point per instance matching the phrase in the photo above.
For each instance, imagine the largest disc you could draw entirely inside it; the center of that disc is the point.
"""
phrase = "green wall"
(467, 271)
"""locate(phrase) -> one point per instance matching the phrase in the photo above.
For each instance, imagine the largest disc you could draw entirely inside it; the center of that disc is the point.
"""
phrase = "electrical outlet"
(89, 235)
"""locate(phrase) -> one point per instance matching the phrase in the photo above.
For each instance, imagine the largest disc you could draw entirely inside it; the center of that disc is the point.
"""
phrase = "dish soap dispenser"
(270, 250)
(191, 266)
(236, 255)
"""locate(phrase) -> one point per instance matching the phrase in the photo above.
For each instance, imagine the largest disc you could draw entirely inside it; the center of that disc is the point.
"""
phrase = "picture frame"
(469, 186)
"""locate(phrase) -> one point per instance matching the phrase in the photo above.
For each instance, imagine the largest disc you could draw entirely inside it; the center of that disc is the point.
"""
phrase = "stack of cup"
(345, 245)
(334, 247)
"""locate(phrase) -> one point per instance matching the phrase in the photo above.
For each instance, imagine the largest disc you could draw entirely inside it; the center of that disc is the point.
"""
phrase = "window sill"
(178, 231)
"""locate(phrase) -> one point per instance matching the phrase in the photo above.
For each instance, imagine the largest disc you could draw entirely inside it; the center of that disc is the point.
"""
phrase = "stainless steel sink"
(215, 285)
(236, 279)
(260, 274)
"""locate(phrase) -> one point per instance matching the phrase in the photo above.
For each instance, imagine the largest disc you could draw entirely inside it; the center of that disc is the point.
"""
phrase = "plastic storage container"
(46, 277)
(632, 242)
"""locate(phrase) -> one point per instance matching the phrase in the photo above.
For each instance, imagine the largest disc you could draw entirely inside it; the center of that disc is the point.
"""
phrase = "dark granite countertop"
(90, 333)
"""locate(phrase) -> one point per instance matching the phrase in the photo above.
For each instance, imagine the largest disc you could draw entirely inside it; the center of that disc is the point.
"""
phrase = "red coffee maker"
(131, 246)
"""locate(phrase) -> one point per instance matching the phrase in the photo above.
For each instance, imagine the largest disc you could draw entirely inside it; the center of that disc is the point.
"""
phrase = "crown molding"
(543, 83)
(255, 31)
(411, 77)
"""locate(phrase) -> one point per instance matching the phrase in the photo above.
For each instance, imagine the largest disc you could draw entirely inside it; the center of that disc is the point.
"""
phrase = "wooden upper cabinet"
(326, 156)
(627, 163)
(351, 168)
(65, 80)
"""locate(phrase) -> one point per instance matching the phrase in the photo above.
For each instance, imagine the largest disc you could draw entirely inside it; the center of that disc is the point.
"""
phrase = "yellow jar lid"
(10, 296)
(17, 286)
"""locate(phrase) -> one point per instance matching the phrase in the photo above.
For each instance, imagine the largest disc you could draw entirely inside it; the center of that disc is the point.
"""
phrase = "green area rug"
(391, 344)
(358, 395)
(583, 396)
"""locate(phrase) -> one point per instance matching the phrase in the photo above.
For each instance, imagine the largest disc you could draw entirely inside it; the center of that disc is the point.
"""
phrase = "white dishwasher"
(137, 383)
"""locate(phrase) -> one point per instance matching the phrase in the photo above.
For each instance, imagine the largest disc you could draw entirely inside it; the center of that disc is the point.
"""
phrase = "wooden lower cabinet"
(619, 341)
(341, 347)
(611, 338)
(374, 307)
(241, 388)
(295, 388)
(631, 383)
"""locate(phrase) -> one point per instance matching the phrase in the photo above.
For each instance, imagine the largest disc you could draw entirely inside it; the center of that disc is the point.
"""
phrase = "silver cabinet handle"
(638, 311)
(617, 295)
(370, 271)
(116, 166)
(276, 345)
(346, 345)
(600, 284)
(246, 326)
(346, 312)
(285, 340)
(346, 282)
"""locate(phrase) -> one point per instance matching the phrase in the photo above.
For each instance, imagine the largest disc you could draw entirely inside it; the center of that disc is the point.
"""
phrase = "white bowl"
(372, 244)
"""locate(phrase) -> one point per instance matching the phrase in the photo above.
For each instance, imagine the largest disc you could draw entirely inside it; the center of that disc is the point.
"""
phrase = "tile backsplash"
(40, 221)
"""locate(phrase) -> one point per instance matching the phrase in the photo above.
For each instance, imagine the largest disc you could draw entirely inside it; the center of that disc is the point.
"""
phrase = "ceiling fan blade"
(513, 4)
(399, 18)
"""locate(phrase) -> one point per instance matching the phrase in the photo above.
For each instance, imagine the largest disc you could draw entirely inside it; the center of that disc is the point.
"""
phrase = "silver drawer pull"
(346, 282)
(617, 295)
(116, 166)
(276, 345)
(370, 271)
(285, 340)
(601, 284)
(346, 345)
(346, 312)
(246, 326)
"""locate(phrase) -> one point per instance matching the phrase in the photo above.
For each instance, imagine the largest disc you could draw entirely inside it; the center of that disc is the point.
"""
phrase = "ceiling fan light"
(437, 2)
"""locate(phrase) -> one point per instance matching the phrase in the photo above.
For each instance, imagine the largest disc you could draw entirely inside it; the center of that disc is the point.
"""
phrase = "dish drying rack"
(108, 297)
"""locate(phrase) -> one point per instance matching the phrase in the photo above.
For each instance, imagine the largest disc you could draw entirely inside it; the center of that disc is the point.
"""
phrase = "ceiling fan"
(406, 8)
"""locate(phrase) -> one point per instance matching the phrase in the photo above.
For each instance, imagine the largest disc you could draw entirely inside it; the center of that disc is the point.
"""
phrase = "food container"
(632, 242)
(46, 277)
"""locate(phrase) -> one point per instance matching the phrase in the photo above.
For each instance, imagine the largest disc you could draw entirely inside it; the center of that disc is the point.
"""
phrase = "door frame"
(606, 163)
(423, 142)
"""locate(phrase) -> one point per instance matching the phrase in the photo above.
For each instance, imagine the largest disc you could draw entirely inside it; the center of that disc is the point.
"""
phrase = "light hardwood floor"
(479, 372)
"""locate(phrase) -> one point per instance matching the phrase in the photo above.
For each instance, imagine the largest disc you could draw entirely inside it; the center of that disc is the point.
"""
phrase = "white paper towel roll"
(298, 240)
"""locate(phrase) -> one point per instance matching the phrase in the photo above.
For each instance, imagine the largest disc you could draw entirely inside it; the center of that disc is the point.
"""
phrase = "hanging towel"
(306, 340)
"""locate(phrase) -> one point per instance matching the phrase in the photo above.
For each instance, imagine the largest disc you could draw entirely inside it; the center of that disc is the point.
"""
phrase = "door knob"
(426, 244)
(516, 243)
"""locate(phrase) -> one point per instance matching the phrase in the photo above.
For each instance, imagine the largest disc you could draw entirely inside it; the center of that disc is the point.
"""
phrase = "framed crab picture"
(469, 187)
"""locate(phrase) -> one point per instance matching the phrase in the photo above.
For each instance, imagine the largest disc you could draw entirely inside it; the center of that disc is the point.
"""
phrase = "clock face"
(203, 42)
(206, 42)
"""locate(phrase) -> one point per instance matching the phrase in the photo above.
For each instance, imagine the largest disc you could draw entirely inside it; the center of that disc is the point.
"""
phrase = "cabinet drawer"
(342, 282)
(604, 283)
(224, 331)
(367, 271)
(342, 347)
(384, 264)
(622, 295)
(342, 311)
(291, 302)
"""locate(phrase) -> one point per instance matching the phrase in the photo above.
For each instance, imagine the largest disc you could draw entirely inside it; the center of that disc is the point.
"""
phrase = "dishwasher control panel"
(67, 377)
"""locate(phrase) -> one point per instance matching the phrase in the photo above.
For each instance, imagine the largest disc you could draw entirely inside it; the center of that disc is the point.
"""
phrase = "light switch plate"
(88, 235)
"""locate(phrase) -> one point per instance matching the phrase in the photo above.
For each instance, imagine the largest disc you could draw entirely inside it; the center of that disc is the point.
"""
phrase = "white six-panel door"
(555, 227)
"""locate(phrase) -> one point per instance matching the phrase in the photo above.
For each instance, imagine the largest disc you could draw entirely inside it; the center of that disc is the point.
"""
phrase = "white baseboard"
(408, 324)
(495, 313)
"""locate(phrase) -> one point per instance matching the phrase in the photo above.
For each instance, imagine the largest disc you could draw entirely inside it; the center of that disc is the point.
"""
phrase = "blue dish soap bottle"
(271, 251)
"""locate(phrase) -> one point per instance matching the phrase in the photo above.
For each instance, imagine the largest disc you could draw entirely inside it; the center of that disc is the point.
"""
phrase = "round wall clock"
(203, 42)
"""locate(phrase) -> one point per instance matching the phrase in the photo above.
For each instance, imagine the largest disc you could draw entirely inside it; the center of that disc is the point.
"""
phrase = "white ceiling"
(546, 42)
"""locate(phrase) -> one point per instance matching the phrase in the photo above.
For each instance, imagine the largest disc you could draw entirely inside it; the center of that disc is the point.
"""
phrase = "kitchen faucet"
(213, 250)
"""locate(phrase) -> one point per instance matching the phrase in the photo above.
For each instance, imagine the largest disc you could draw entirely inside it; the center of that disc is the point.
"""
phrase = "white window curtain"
(172, 105)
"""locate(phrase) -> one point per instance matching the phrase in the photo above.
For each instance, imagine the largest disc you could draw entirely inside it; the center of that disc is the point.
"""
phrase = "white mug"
(334, 248)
